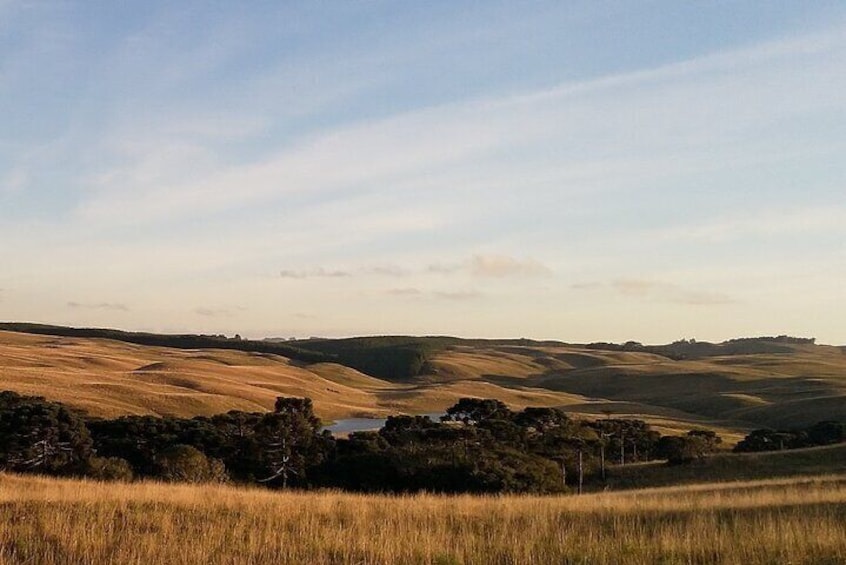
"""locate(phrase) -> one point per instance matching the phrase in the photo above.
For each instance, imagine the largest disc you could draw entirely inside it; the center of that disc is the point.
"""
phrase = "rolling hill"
(731, 387)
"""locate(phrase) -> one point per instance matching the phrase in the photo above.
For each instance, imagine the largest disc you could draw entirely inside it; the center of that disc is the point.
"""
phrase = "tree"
(238, 447)
(708, 437)
(475, 410)
(542, 420)
(682, 450)
(289, 441)
(827, 433)
(41, 436)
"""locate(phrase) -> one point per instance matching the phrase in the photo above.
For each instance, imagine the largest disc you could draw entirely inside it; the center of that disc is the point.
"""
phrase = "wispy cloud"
(763, 223)
(657, 291)
(668, 292)
(457, 295)
(218, 312)
(182, 176)
(404, 292)
(483, 266)
(492, 266)
(113, 306)
(592, 285)
(582, 114)
(14, 181)
(504, 266)
(420, 294)
(318, 272)
(386, 271)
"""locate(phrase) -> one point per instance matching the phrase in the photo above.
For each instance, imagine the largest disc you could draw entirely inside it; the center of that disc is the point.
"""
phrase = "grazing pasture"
(731, 389)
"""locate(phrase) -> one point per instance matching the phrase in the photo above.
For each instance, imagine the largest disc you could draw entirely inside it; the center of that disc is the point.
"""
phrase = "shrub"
(184, 463)
(109, 469)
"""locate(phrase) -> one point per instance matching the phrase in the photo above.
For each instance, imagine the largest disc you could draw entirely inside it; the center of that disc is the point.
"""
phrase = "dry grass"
(74, 522)
(109, 378)
(723, 467)
(728, 394)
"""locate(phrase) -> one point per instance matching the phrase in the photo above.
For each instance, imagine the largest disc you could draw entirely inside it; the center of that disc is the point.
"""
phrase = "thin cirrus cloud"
(217, 312)
(668, 292)
(427, 140)
(484, 266)
(457, 295)
(449, 295)
(657, 291)
(186, 160)
(408, 291)
(801, 221)
(318, 272)
(492, 266)
(112, 306)
(498, 266)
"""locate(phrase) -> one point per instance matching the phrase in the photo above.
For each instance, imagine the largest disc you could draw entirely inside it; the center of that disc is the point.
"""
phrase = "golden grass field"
(798, 517)
(721, 467)
(730, 394)
(54, 521)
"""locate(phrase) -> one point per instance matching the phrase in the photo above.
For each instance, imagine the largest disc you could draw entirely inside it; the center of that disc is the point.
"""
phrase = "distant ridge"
(178, 341)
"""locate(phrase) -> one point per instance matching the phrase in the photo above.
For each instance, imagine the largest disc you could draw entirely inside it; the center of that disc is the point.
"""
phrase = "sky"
(581, 170)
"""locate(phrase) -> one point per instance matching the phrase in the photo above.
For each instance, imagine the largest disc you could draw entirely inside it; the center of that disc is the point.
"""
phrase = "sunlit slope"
(802, 385)
(798, 385)
(110, 378)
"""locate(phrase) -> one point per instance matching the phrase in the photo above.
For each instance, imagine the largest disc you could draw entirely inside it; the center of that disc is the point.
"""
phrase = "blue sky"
(572, 170)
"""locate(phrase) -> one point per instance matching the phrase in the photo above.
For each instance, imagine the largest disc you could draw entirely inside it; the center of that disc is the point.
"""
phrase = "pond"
(349, 425)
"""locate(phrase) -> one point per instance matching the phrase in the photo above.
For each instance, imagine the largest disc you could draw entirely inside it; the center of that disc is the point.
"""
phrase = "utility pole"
(622, 449)
(581, 471)
(603, 437)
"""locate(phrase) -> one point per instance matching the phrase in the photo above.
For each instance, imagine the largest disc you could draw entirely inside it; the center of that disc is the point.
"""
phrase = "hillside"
(732, 467)
(109, 378)
(732, 387)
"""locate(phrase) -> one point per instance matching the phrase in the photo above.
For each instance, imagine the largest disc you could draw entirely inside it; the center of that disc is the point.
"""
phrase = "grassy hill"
(731, 387)
(106, 377)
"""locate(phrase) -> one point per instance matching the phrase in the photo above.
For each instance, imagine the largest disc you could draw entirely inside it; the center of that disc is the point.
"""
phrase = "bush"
(681, 450)
(183, 463)
(109, 469)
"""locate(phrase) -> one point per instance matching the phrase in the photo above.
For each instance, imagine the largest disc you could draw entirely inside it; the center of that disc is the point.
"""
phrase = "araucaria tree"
(288, 441)
(41, 436)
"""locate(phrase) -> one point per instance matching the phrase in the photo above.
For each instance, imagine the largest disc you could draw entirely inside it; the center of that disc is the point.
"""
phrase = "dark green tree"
(41, 436)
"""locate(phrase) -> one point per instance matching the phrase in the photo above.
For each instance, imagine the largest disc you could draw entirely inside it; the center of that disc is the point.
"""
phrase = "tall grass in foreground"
(64, 521)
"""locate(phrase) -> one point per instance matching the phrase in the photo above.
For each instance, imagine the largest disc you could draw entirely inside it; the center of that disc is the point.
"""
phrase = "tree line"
(480, 445)
(822, 433)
